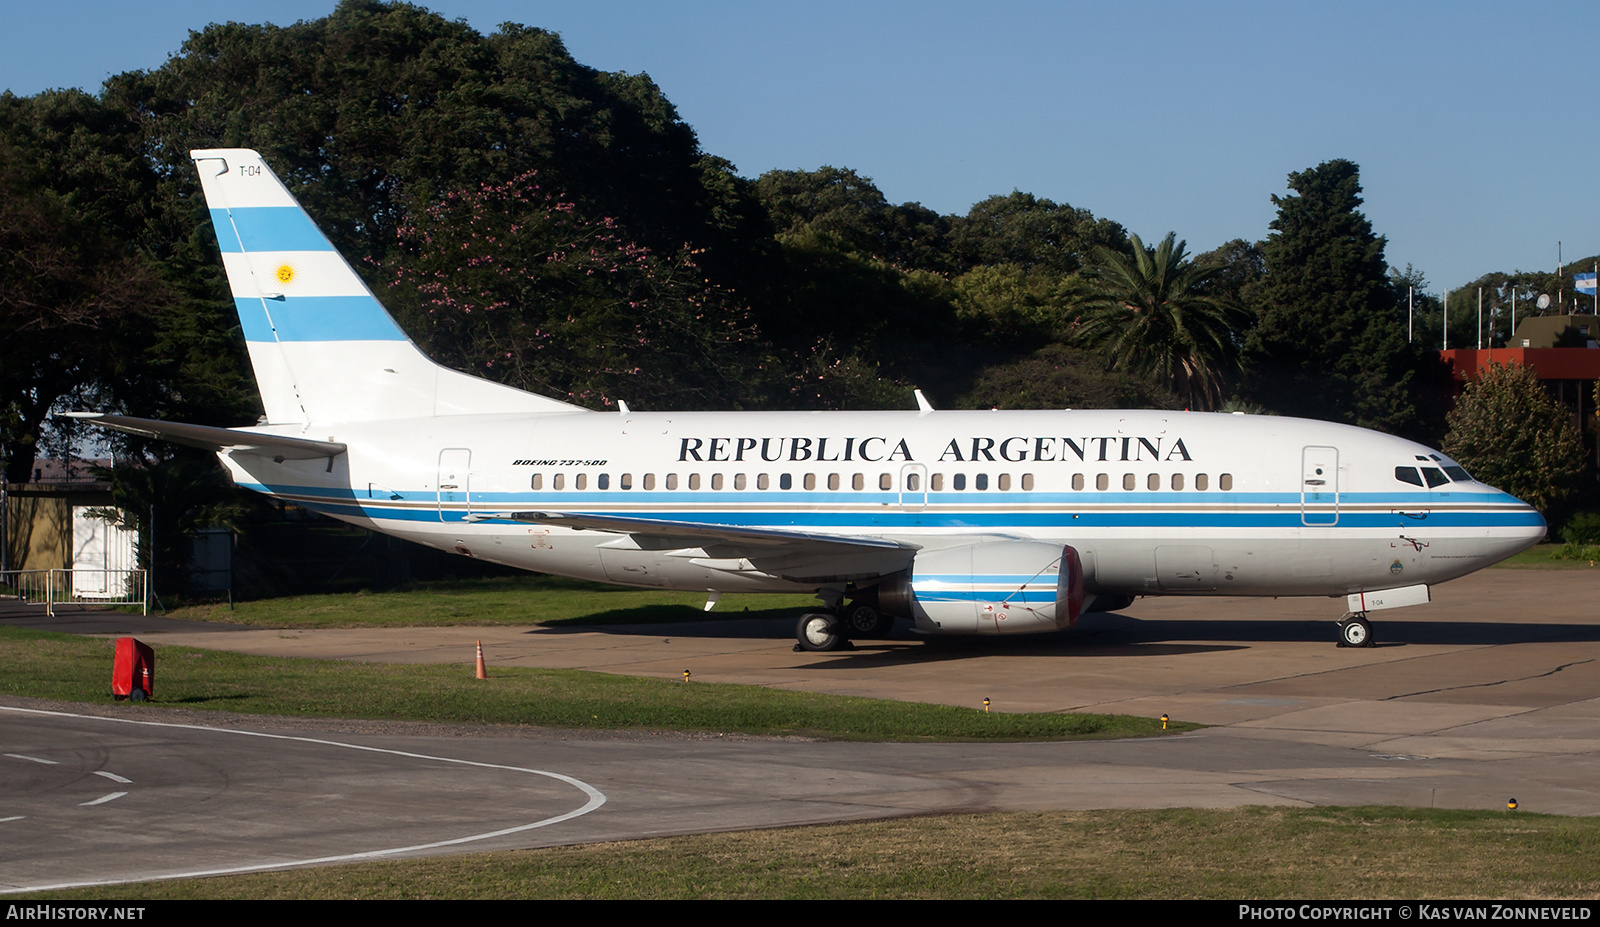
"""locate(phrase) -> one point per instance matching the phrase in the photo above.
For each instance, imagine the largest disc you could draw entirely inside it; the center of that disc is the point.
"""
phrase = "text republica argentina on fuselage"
(1017, 449)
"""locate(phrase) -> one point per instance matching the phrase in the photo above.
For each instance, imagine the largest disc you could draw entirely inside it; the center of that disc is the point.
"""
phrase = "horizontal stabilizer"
(215, 439)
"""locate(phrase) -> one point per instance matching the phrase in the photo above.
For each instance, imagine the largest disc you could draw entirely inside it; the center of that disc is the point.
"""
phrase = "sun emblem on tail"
(285, 274)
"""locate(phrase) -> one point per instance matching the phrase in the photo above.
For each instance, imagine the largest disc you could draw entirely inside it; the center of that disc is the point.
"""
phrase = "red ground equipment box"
(133, 675)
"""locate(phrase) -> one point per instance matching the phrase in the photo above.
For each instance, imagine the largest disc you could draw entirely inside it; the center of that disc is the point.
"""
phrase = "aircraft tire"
(865, 621)
(820, 632)
(1356, 632)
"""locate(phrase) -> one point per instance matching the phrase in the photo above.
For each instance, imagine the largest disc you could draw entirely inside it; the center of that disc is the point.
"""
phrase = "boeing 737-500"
(961, 522)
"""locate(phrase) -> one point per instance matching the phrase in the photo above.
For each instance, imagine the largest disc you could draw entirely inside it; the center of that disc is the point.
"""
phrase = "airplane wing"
(215, 439)
(796, 555)
(693, 530)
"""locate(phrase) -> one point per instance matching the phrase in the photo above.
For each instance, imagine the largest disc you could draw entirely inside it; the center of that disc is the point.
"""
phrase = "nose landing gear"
(1355, 630)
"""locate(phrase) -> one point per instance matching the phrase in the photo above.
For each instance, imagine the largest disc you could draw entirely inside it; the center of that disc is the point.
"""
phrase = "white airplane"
(962, 522)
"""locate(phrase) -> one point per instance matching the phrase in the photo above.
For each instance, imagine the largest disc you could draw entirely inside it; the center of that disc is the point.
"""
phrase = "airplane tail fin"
(323, 348)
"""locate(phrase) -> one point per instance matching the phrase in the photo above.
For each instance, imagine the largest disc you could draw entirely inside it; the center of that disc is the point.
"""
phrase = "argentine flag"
(1585, 283)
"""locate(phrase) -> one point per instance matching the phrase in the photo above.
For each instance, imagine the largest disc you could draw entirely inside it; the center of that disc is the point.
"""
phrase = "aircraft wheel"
(866, 621)
(819, 632)
(1357, 632)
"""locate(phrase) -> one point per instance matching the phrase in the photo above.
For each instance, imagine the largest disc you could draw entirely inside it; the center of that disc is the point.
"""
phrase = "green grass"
(78, 669)
(553, 601)
(1257, 853)
(530, 600)
(1553, 556)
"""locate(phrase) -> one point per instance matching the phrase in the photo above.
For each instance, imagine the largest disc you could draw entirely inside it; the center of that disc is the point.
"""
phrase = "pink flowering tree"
(520, 285)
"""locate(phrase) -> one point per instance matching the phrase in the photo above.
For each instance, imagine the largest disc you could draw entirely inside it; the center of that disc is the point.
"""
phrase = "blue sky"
(1473, 123)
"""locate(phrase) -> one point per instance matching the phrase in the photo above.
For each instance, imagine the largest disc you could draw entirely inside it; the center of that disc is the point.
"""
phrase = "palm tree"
(1153, 313)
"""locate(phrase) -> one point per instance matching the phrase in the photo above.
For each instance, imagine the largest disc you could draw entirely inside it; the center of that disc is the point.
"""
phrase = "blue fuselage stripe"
(1282, 511)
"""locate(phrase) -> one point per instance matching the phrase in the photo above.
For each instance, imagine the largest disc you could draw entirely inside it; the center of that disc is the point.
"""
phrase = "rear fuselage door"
(1319, 486)
(455, 483)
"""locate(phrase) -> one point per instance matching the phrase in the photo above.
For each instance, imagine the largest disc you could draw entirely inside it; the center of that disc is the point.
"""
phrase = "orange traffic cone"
(483, 673)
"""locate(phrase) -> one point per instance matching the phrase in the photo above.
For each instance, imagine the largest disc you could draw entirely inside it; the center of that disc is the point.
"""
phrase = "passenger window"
(538, 481)
(625, 481)
(1005, 482)
(1102, 482)
(958, 482)
(672, 481)
(1129, 481)
(913, 482)
(694, 481)
(786, 482)
(738, 481)
(885, 481)
(1201, 482)
(1408, 475)
(1434, 476)
(858, 482)
(811, 481)
(1153, 482)
(981, 481)
(716, 481)
(1225, 482)
(1177, 481)
(557, 481)
(649, 481)
(1077, 481)
(581, 481)
(1027, 482)
(833, 481)
(763, 481)
(938, 482)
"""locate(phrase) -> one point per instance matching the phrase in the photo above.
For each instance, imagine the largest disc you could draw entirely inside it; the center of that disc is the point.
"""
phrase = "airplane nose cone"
(1524, 528)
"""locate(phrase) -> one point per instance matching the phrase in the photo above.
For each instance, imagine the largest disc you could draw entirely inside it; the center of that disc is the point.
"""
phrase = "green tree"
(840, 204)
(1006, 304)
(375, 111)
(107, 297)
(1239, 264)
(1151, 312)
(1509, 433)
(74, 305)
(1060, 377)
(1032, 232)
(1329, 341)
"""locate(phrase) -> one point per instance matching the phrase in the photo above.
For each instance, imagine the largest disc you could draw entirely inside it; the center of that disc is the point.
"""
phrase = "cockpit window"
(1434, 477)
(1408, 475)
(1458, 474)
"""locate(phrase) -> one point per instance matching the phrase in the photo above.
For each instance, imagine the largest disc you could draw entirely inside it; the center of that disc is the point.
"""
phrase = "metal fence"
(76, 587)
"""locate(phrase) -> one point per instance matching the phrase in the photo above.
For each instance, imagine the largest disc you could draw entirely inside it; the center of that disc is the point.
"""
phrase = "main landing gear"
(820, 632)
(823, 631)
(1355, 630)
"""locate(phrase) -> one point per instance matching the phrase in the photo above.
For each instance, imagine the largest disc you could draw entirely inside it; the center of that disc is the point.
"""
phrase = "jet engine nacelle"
(993, 587)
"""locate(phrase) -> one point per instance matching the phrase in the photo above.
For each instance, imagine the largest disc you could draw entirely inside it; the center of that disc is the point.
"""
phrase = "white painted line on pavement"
(596, 798)
(102, 799)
